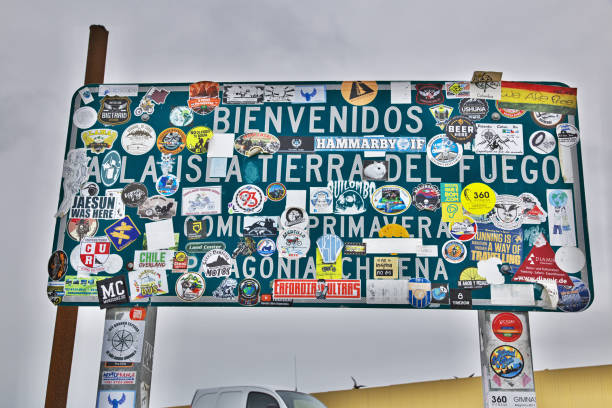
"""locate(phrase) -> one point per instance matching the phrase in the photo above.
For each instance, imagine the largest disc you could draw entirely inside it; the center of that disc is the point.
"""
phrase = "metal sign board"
(357, 193)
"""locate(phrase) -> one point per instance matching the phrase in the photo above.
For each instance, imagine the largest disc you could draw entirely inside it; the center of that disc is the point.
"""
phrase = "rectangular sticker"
(118, 90)
(118, 377)
(145, 283)
(449, 192)
(86, 95)
(392, 245)
(386, 267)
(260, 226)
(561, 227)
(201, 200)
(321, 200)
(498, 139)
(401, 92)
(296, 144)
(492, 242)
(310, 94)
(512, 295)
(112, 291)
(538, 98)
(243, 94)
(125, 352)
(439, 293)
(153, 259)
(328, 270)
(354, 248)
(82, 286)
(315, 289)
(457, 89)
(117, 398)
(107, 207)
(452, 212)
(461, 298)
(279, 93)
(368, 143)
(386, 291)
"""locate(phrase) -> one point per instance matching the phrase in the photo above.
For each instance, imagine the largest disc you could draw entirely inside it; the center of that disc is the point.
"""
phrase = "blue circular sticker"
(167, 185)
(266, 247)
(574, 298)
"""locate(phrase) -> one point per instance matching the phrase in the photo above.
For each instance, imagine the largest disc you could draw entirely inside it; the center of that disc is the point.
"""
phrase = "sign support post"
(505, 360)
(60, 363)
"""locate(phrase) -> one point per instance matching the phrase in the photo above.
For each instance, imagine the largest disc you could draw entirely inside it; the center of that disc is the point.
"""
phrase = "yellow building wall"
(583, 387)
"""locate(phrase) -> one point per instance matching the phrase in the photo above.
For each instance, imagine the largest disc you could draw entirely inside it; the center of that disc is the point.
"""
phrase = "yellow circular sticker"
(393, 231)
(478, 198)
(197, 138)
(359, 92)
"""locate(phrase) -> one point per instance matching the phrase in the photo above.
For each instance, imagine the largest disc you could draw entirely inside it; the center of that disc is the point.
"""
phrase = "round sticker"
(79, 228)
(460, 129)
(390, 200)
(426, 197)
(138, 139)
(570, 259)
(181, 116)
(276, 191)
(90, 189)
(266, 247)
(58, 264)
(547, 119)
(251, 144)
(574, 298)
(248, 292)
(507, 361)
(171, 141)
(439, 293)
(454, 251)
(359, 92)
(567, 134)
(509, 113)
(197, 138)
(167, 185)
(134, 194)
(294, 217)
(248, 199)
(542, 142)
(393, 231)
(85, 117)
(190, 286)
(475, 109)
(443, 152)
(293, 243)
(507, 327)
(478, 198)
(464, 230)
(216, 263)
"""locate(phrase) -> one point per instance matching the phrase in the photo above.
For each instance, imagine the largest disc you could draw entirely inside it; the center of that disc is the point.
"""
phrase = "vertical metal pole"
(66, 316)
(505, 359)
(126, 364)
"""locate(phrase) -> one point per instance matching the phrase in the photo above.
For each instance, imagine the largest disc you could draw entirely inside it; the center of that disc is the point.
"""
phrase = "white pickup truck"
(252, 397)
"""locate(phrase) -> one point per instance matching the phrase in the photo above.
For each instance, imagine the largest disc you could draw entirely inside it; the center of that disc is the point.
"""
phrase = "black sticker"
(460, 299)
(112, 291)
(134, 194)
(195, 229)
(114, 110)
(475, 109)
(296, 144)
(460, 129)
(58, 263)
(429, 94)
(248, 292)
(439, 293)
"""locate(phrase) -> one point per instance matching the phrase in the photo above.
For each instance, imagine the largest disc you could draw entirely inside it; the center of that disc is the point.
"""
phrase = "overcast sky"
(43, 48)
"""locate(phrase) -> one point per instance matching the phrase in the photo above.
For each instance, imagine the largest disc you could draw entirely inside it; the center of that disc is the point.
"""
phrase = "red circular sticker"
(507, 327)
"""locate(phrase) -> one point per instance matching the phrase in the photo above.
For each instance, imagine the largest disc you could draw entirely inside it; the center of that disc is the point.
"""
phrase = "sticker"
(198, 138)
(246, 246)
(266, 247)
(547, 119)
(82, 285)
(122, 341)
(460, 129)
(349, 196)
(201, 200)
(539, 98)
(55, 292)
(321, 200)
(507, 327)
(386, 291)
(203, 247)
(317, 289)
(359, 92)
(145, 283)
(426, 197)
(491, 242)
(94, 251)
(439, 293)
(574, 298)
(443, 152)
(86, 95)
(248, 199)
(454, 251)
(570, 259)
(328, 270)
(154, 96)
(508, 212)
(122, 233)
(79, 228)
(567, 134)
(310, 94)
(57, 265)
(486, 85)
(457, 89)
(99, 140)
(540, 265)
(401, 92)
(330, 247)
(452, 212)
(114, 110)
(475, 109)
(276, 191)
(248, 292)
(250, 144)
(293, 243)
(85, 117)
(157, 208)
(226, 289)
(111, 167)
(112, 291)
(464, 230)
(393, 231)
(441, 114)
(279, 93)
(181, 116)
(354, 248)
(419, 292)
(542, 142)
(134, 194)
(190, 286)
(116, 398)
(255, 226)
(450, 192)
(370, 143)
(243, 94)
(377, 170)
(561, 228)
(296, 144)
(386, 267)
(460, 298)
(509, 112)
(498, 139)
(507, 361)
(429, 94)
(90, 189)
(153, 259)
(138, 139)
(118, 90)
(532, 209)
(195, 229)
(171, 141)
(167, 185)
(478, 198)
(118, 378)
(203, 97)
(390, 200)
(216, 263)
(471, 279)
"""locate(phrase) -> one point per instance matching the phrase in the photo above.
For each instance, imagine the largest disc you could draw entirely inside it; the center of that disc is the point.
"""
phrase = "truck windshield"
(298, 400)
